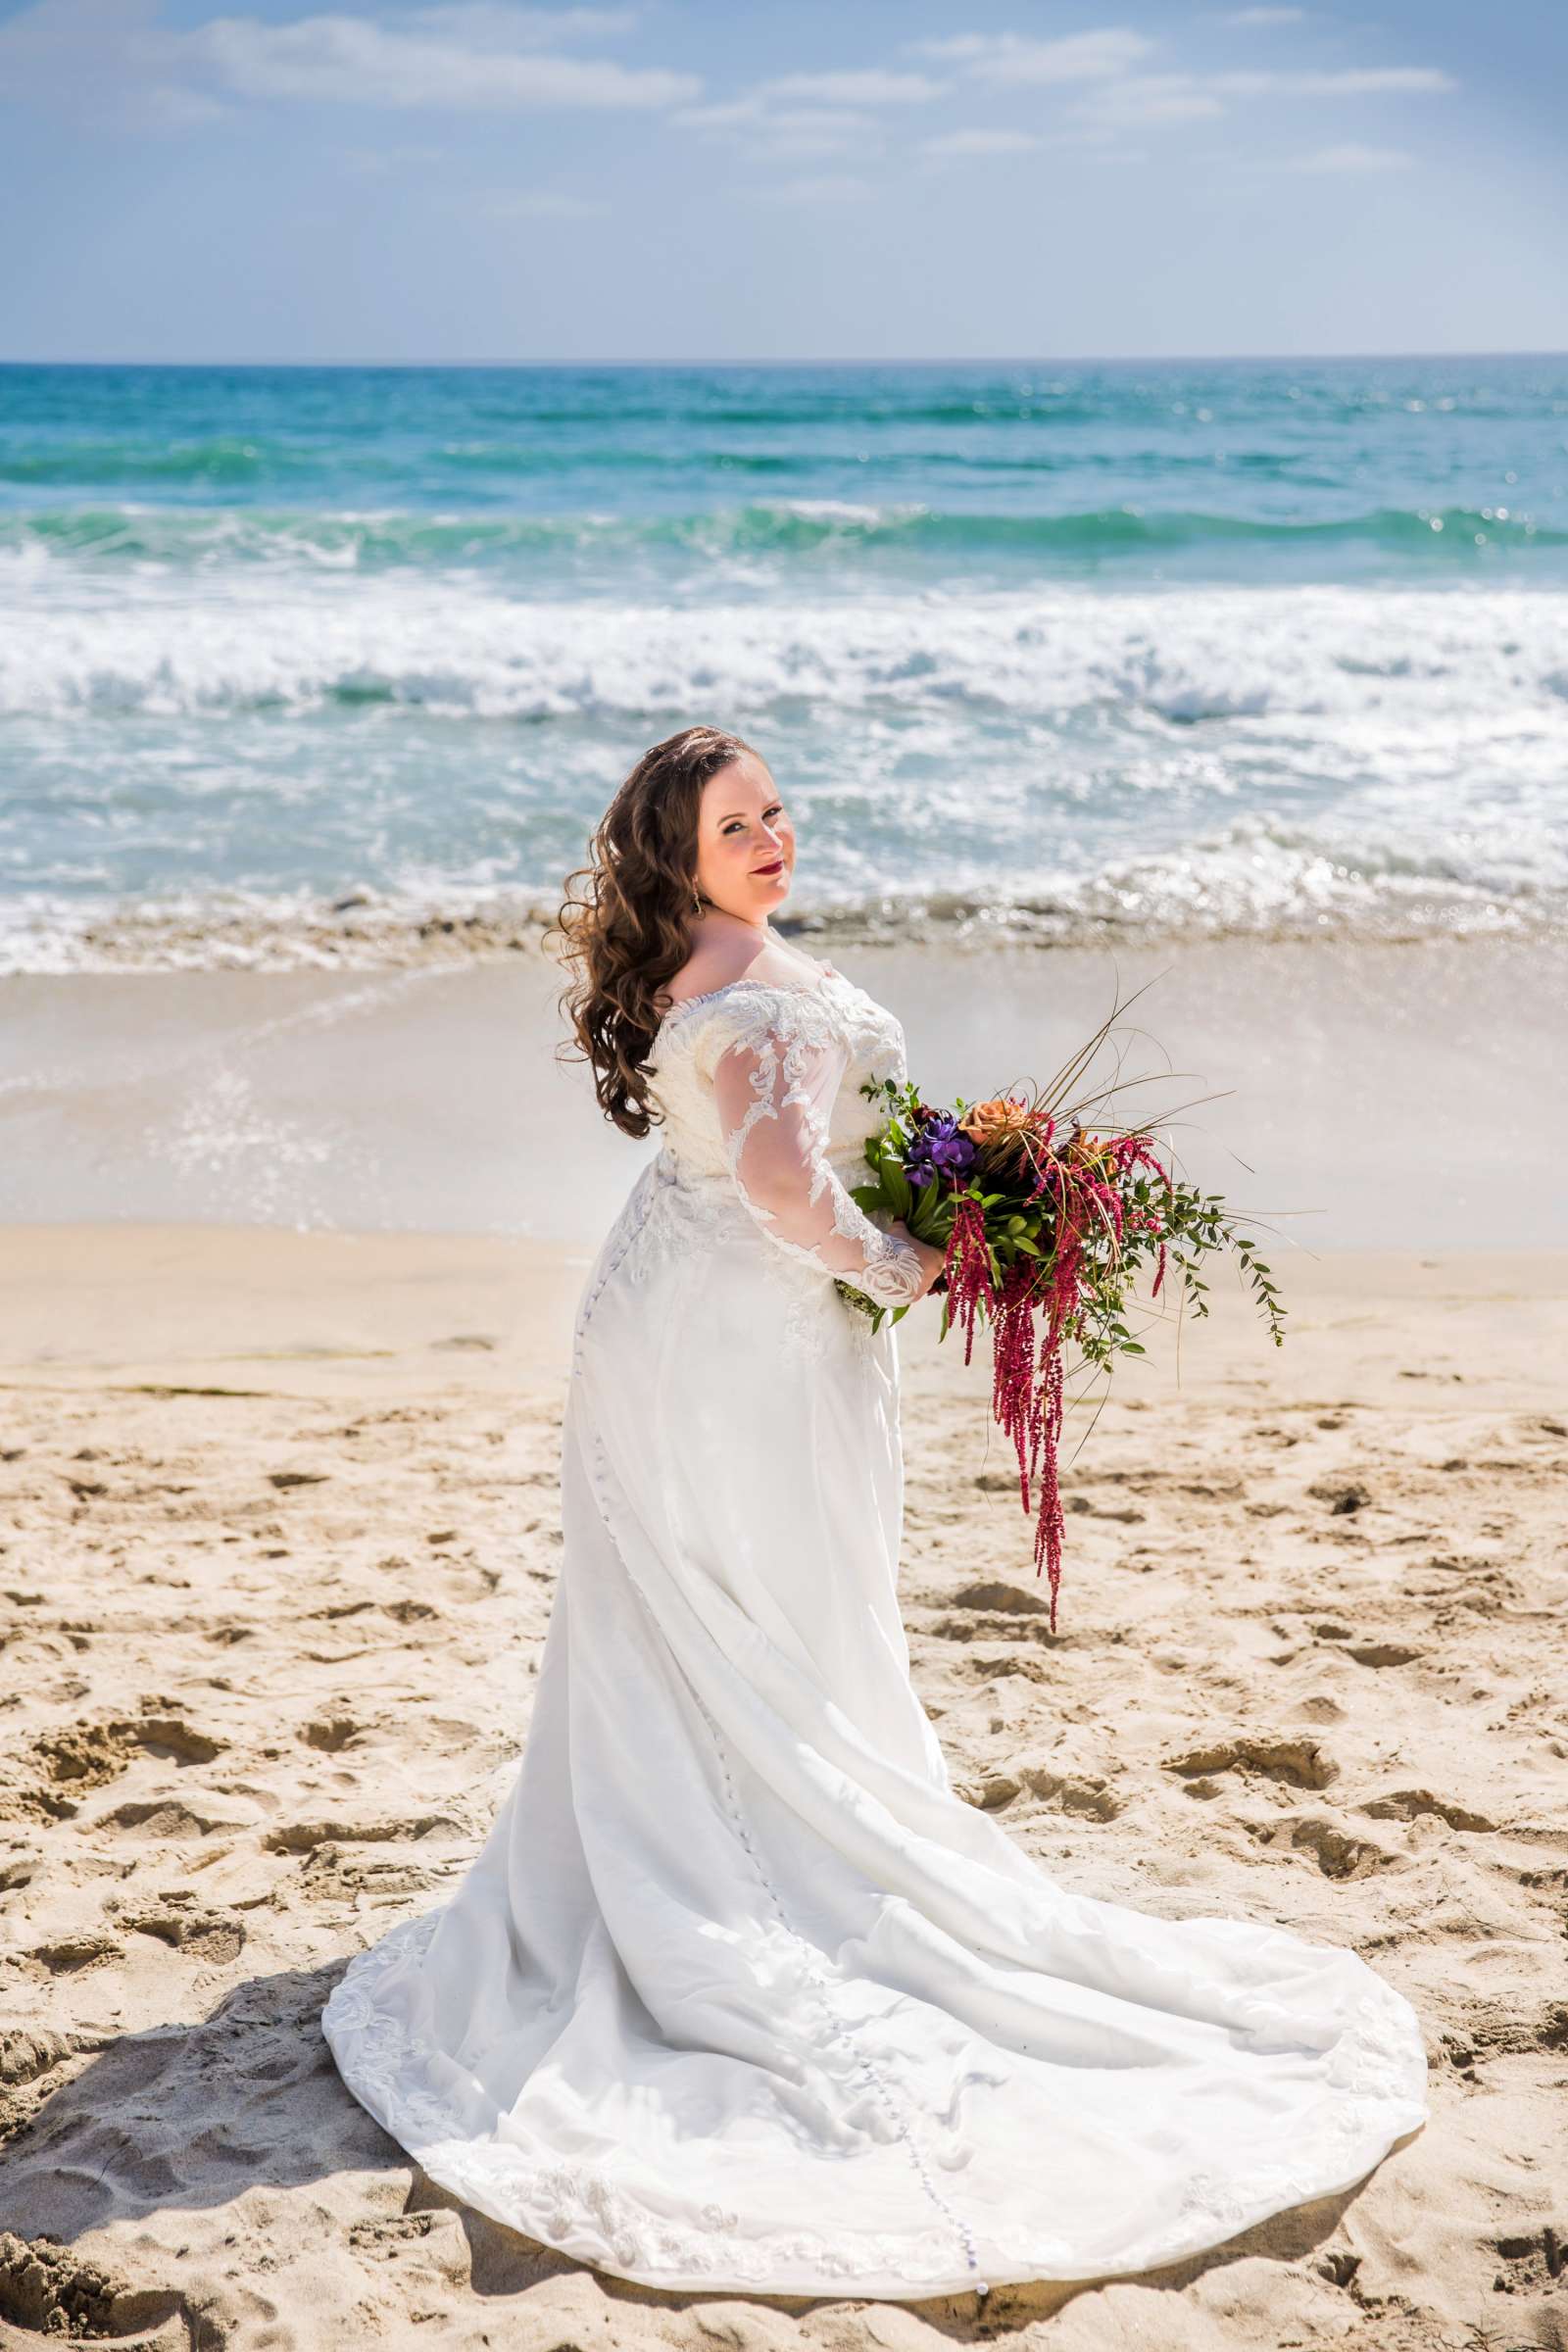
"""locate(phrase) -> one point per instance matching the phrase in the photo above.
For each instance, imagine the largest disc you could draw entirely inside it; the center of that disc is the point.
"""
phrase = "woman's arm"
(775, 1093)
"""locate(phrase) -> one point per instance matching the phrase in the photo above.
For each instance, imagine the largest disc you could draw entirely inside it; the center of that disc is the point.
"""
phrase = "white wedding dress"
(739, 1993)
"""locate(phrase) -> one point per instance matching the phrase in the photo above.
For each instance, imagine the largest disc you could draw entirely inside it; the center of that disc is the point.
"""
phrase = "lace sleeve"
(774, 1087)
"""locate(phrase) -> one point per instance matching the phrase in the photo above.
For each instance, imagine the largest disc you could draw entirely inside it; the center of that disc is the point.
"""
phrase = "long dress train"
(739, 1992)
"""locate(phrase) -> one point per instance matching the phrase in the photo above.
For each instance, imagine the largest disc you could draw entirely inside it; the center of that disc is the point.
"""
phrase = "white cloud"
(781, 132)
(465, 64)
(978, 142)
(1117, 96)
(115, 58)
(1143, 98)
(1353, 159)
(491, 25)
(1136, 99)
(868, 88)
(1351, 82)
(1011, 57)
(798, 115)
(118, 60)
(826, 189)
(167, 107)
(542, 204)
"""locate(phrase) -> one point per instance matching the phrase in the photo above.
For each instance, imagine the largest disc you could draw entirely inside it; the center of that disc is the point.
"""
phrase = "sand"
(278, 1532)
(1385, 1094)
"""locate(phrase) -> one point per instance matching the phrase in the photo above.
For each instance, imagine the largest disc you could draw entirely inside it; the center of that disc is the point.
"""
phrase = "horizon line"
(980, 360)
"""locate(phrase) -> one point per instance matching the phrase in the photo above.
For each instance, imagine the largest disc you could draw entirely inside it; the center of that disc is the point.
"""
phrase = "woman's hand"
(932, 1260)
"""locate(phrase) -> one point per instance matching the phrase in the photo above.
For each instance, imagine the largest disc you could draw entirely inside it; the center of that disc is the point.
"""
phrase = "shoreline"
(368, 932)
(1371, 1096)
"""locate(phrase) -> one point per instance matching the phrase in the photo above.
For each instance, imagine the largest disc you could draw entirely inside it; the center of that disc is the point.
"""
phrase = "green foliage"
(1193, 1225)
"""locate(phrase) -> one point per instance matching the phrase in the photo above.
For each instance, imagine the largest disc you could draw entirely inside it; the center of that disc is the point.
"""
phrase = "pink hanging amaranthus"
(1044, 1227)
(1027, 1383)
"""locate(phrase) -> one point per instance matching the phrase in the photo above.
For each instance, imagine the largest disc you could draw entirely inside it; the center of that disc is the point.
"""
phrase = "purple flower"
(940, 1149)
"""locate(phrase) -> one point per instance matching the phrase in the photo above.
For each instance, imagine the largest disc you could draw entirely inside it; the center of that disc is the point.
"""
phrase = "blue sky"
(283, 180)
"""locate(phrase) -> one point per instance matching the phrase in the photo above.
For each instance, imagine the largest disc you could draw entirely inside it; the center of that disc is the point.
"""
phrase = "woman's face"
(745, 841)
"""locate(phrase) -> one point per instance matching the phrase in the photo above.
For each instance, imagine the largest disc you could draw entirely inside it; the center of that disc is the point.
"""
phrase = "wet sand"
(1357, 1093)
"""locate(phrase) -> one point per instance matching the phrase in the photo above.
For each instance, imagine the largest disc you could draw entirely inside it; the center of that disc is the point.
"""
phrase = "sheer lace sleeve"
(775, 1085)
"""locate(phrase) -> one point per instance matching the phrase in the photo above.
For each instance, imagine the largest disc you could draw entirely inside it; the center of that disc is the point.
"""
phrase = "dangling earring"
(697, 900)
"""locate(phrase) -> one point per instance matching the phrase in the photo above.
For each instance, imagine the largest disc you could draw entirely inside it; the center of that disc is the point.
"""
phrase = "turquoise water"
(1065, 651)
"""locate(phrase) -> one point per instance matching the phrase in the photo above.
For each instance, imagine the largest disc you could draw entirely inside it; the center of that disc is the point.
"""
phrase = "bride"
(739, 1992)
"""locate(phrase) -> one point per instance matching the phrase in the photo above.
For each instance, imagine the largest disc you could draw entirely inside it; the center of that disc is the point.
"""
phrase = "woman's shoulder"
(723, 959)
(751, 1010)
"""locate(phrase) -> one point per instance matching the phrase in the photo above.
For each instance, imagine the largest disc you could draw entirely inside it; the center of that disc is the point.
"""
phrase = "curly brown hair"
(627, 932)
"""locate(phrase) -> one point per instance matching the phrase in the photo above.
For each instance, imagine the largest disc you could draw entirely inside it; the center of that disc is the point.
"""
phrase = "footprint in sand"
(172, 1735)
(1343, 1495)
(387, 2235)
(999, 1628)
(52, 2292)
(1409, 1804)
(1084, 1794)
(993, 1611)
(1537, 2258)
(27, 2055)
(1299, 1763)
(208, 1936)
(70, 1955)
(1011, 1599)
(80, 1757)
(168, 1816)
(330, 1732)
(304, 1836)
(1338, 1852)
(982, 1668)
(990, 1792)
(45, 2287)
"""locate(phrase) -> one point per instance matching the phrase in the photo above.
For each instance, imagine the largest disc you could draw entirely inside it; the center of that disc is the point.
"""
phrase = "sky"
(713, 179)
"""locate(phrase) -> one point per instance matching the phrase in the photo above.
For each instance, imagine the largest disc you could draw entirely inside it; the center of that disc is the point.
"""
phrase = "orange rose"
(1002, 1115)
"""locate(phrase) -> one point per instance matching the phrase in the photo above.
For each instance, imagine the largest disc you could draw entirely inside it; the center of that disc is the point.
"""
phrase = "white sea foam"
(1255, 879)
(454, 647)
(1061, 764)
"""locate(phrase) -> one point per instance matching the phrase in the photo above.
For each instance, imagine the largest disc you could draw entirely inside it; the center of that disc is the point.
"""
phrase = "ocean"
(305, 666)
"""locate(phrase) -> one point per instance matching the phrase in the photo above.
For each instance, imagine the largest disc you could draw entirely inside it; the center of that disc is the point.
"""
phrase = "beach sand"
(1366, 1094)
(279, 1528)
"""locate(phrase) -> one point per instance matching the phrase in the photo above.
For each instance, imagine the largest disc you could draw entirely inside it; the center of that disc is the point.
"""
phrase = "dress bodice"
(759, 1088)
(698, 1030)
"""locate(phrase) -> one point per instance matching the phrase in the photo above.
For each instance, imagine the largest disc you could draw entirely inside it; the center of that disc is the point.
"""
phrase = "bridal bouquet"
(1047, 1225)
